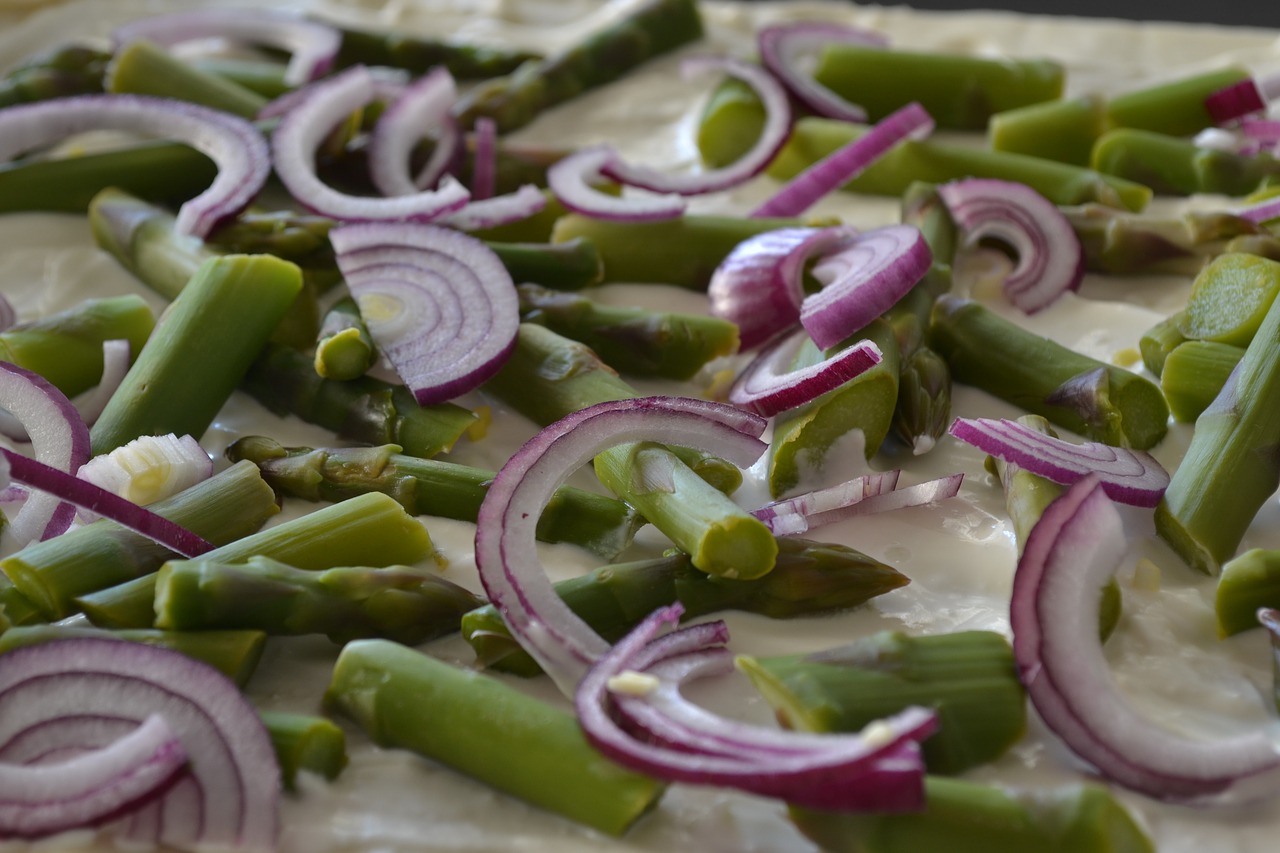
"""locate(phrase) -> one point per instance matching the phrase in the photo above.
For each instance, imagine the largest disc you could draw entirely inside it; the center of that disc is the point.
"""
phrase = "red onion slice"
(38, 799)
(1263, 211)
(1128, 476)
(777, 127)
(304, 127)
(506, 553)
(230, 798)
(1050, 256)
(783, 48)
(497, 210)
(439, 304)
(832, 497)
(1243, 98)
(759, 285)
(838, 503)
(769, 386)
(484, 174)
(116, 357)
(1070, 555)
(235, 145)
(59, 440)
(313, 46)
(573, 180)
(847, 162)
(862, 280)
(421, 107)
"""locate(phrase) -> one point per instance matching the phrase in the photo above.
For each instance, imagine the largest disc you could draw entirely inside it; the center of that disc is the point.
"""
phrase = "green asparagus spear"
(344, 349)
(923, 411)
(1171, 165)
(305, 742)
(144, 68)
(1194, 374)
(968, 678)
(803, 437)
(50, 574)
(730, 123)
(633, 341)
(1230, 468)
(417, 55)
(968, 817)
(1160, 340)
(57, 73)
(571, 265)
(15, 608)
(939, 162)
(1248, 582)
(1100, 401)
(1119, 243)
(683, 251)
(432, 487)
(211, 334)
(366, 410)
(959, 91)
(809, 578)
(262, 76)
(1229, 299)
(399, 603)
(654, 27)
(548, 377)
(66, 347)
(487, 730)
(370, 529)
(233, 653)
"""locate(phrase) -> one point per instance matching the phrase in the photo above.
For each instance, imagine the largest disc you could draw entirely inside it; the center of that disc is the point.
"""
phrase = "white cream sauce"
(959, 554)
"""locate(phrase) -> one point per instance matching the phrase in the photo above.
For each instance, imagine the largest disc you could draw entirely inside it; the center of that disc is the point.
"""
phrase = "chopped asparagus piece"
(433, 487)
(66, 347)
(487, 730)
(1171, 165)
(344, 349)
(1194, 374)
(144, 68)
(809, 578)
(57, 73)
(1160, 340)
(1229, 299)
(417, 55)
(570, 265)
(1100, 401)
(305, 742)
(1248, 582)
(959, 91)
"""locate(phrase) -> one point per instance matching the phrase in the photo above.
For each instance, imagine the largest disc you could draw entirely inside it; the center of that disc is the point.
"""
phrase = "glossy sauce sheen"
(959, 554)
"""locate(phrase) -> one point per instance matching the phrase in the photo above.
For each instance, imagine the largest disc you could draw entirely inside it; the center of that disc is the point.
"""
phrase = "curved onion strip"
(1128, 476)
(571, 178)
(1263, 211)
(149, 468)
(497, 210)
(116, 355)
(85, 788)
(768, 387)
(847, 162)
(831, 505)
(413, 278)
(783, 46)
(423, 105)
(1070, 555)
(1050, 256)
(230, 798)
(506, 553)
(69, 490)
(862, 280)
(59, 440)
(832, 497)
(388, 83)
(1243, 98)
(304, 127)
(759, 285)
(837, 777)
(8, 316)
(313, 46)
(484, 172)
(777, 127)
(235, 145)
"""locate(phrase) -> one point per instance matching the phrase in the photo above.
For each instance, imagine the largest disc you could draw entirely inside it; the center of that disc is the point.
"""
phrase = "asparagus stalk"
(600, 524)
(809, 578)
(1160, 340)
(804, 436)
(211, 334)
(345, 603)
(547, 377)
(487, 730)
(1194, 374)
(371, 529)
(305, 742)
(938, 162)
(57, 73)
(144, 68)
(1229, 299)
(263, 76)
(683, 251)
(1229, 470)
(1100, 401)
(365, 410)
(570, 265)
(1249, 582)
(233, 653)
(344, 348)
(50, 574)
(15, 608)
(655, 27)
(66, 347)
(969, 817)
(633, 341)
(960, 92)
(418, 55)
(1171, 165)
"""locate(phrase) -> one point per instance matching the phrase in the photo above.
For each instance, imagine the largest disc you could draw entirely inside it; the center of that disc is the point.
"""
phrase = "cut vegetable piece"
(1229, 299)
(769, 385)
(782, 47)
